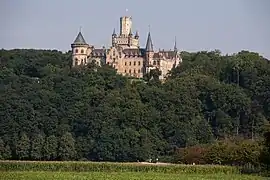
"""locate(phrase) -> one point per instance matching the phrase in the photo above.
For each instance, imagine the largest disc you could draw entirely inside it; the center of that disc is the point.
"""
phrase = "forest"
(50, 111)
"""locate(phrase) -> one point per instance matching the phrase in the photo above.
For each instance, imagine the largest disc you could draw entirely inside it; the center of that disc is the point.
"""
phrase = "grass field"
(22, 170)
(44, 175)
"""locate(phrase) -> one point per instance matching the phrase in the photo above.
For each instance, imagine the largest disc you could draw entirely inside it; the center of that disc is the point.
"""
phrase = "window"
(125, 71)
(82, 51)
(125, 63)
(110, 56)
(113, 53)
(139, 63)
(158, 62)
(82, 61)
(76, 61)
(154, 63)
(130, 71)
(134, 63)
(139, 71)
(134, 71)
(130, 63)
(76, 50)
(113, 59)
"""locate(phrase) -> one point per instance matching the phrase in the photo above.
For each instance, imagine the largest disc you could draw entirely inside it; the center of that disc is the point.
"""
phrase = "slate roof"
(134, 52)
(166, 54)
(149, 44)
(79, 39)
(98, 52)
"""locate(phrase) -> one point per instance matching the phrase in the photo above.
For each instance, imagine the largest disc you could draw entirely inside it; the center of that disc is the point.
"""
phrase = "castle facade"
(125, 53)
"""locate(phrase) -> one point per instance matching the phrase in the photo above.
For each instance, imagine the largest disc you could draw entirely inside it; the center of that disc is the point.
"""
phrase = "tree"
(37, 147)
(66, 149)
(5, 151)
(23, 147)
(265, 153)
(50, 148)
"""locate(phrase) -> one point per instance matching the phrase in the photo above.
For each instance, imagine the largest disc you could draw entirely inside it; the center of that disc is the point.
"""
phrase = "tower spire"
(149, 44)
(137, 34)
(175, 46)
(79, 39)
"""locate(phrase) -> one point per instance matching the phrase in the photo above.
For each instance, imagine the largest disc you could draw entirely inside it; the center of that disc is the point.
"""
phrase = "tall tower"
(149, 53)
(125, 25)
(79, 50)
(114, 36)
(177, 56)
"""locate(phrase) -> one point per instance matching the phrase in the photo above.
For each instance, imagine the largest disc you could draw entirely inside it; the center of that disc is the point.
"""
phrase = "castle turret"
(79, 50)
(175, 47)
(130, 38)
(149, 53)
(114, 36)
(137, 35)
(177, 58)
(149, 44)
(125, 26)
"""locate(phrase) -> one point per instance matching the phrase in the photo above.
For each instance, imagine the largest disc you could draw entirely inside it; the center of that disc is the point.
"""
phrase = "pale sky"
(227, 25)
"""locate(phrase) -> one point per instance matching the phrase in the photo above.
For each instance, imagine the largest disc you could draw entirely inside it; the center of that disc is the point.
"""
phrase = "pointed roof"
(137, 34)
(175, 47)
(114, 31)
(79, 39)
(149, 44)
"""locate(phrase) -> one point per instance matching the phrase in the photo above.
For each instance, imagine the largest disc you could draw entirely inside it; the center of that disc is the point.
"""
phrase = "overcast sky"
(228, 25)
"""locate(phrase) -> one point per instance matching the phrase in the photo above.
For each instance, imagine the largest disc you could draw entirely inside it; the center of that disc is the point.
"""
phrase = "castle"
(125, 53)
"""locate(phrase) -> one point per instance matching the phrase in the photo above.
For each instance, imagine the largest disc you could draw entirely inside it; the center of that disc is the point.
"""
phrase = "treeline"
(50, 111)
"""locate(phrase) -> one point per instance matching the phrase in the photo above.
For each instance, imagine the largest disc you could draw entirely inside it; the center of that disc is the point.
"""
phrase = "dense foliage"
(50, 111)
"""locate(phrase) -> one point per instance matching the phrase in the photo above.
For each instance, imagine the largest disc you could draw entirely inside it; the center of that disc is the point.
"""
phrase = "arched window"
(154, 63)
(134, 71)
(125, 70)
(76, 61)
(130, 71)
(139, 71)
(139, 63)
(82, 61)
(82, 51)
(76, 50)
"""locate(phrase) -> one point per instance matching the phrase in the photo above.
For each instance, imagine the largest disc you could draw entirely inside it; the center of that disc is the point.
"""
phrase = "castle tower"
(175, 46)
(114, 36)
(177, 57)
(130, 38)
(79, 50)
(137, 35)
(149, 52)
(125, 25)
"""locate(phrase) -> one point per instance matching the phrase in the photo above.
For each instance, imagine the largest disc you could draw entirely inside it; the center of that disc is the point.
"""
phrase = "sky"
(227, 25)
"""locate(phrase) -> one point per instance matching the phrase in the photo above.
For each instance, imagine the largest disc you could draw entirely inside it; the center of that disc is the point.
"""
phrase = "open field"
(45, 175)
(22, 170)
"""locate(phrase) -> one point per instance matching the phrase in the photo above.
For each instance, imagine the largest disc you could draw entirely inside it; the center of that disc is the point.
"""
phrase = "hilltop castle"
(125, 53)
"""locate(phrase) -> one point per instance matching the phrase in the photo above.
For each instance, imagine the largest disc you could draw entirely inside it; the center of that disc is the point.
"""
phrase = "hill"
(52, 112)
